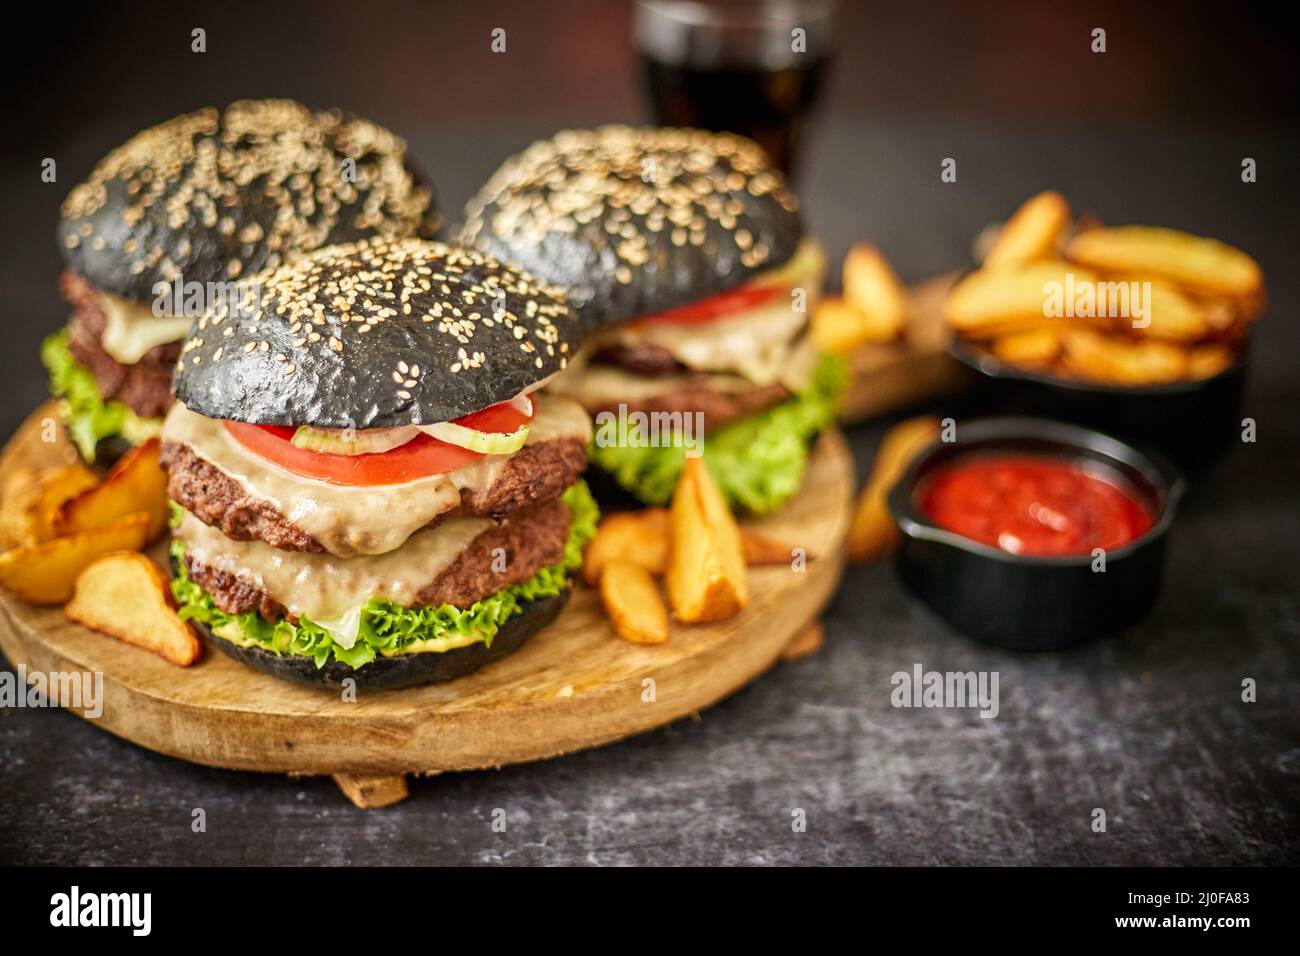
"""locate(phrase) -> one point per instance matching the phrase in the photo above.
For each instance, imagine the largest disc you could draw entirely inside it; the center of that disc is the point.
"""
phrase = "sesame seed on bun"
(632, 221)
(376, 334)
(217, 194)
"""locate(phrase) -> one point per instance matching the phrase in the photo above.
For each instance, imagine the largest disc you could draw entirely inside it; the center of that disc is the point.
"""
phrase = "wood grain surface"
(888, 376)
(573, 685)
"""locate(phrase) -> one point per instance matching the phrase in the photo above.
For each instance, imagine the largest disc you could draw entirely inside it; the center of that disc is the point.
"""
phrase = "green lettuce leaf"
(89, 418)
(758, 461)
(388, 628)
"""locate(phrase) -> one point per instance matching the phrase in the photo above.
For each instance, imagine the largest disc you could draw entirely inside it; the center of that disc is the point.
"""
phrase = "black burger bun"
(633, 221)
(402, 670)
(215, 195)
(375, 334)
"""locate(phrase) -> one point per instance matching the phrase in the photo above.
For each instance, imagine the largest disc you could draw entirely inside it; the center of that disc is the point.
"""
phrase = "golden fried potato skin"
(126, 596)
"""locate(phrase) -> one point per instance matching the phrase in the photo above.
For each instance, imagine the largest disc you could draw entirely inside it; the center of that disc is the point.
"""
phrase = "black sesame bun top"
(218, 194)
(635, 221)
(375, 334)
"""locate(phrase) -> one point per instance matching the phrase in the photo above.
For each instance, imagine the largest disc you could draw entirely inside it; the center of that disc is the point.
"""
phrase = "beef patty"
(719, 408)
(643, 358)
(146, 387)
(652, 361)
(535, 474)
(531, 539)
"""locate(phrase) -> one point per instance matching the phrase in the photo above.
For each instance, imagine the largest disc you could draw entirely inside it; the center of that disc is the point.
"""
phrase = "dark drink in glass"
(745, 66)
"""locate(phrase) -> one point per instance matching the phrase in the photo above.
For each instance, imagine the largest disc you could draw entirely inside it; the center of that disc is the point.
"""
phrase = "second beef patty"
(528, 541)
(145, 387)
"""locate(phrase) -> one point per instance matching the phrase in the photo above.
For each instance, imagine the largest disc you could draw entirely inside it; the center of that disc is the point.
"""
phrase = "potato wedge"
(1034, 231)
(1089, 355)
(1034, 348)
(1107, 360)
(31, 499)
(1222, 315)
(872, 287)
(135, 484)
(873, 532)
(1001, 298)
(640, 537)
(1159, 362)
(706, 575)
(1193, 262)
(127, 596)
(759, 549)
(1056, 326)
(1173, 314)
(632, 601)
(45, 573)
(1207, 361)
(837, 327)
(57, 487)
(18, 508)
(807, 641)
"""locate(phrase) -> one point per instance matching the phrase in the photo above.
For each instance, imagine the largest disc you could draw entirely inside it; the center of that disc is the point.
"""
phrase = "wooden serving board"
(888, 376)
(573, 685)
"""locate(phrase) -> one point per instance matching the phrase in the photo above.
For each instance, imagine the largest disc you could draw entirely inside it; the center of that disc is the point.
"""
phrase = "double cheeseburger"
(685, 254)
(209, 197)
(364, 483)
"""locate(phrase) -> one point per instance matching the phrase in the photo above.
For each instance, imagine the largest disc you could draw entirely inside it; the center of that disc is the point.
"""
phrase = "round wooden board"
(573, 685)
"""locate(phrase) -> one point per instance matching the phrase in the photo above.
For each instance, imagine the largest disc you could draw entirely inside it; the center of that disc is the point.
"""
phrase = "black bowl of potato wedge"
(1194, 422)
(1140, 331)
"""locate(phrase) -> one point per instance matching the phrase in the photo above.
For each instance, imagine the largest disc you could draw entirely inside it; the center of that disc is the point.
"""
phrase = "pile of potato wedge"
(695, 545)
(873, 308)
(73, 538)
(1198, 297)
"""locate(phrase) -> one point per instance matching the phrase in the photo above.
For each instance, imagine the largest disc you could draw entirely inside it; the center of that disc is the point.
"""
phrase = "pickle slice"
(348, 441)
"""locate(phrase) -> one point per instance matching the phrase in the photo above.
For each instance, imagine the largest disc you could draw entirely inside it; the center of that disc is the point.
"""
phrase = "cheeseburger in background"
(685, 254)
(180, 212)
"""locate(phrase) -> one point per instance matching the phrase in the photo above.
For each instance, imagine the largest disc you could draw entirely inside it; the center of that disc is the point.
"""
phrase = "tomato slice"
(717, 306)
(502, 417)
(421, 457)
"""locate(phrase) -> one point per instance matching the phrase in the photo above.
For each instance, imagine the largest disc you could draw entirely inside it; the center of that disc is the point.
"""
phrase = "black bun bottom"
(404, 670)
(609, 494)
(108, 451)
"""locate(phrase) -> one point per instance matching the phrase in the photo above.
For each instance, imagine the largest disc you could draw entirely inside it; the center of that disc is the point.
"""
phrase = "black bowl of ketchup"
(1034, 534)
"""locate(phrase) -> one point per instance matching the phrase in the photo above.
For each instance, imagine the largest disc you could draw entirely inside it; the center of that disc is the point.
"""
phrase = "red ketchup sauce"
(1033, 504)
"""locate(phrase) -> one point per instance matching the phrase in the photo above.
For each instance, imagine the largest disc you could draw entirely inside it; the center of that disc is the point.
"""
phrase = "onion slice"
(485, 443)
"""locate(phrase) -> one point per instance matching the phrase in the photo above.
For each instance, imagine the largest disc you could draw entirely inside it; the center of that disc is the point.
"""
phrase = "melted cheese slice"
(349, 521)
(132, 329)
(755, 344)
(328, 589)
(604, 386)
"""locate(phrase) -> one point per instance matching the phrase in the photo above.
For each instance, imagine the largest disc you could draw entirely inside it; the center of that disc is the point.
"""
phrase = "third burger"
(684, 252)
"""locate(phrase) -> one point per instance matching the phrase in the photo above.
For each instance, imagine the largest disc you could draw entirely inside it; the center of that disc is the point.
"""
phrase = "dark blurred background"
(993, 85)
(1012, 91)
(426, 63)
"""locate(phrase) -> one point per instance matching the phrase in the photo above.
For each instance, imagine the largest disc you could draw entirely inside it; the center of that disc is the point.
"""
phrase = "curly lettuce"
(758, 461)
(387, 628)
(88, 416)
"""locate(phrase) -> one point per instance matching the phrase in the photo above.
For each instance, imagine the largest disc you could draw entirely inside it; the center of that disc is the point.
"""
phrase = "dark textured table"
(1149, 726)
